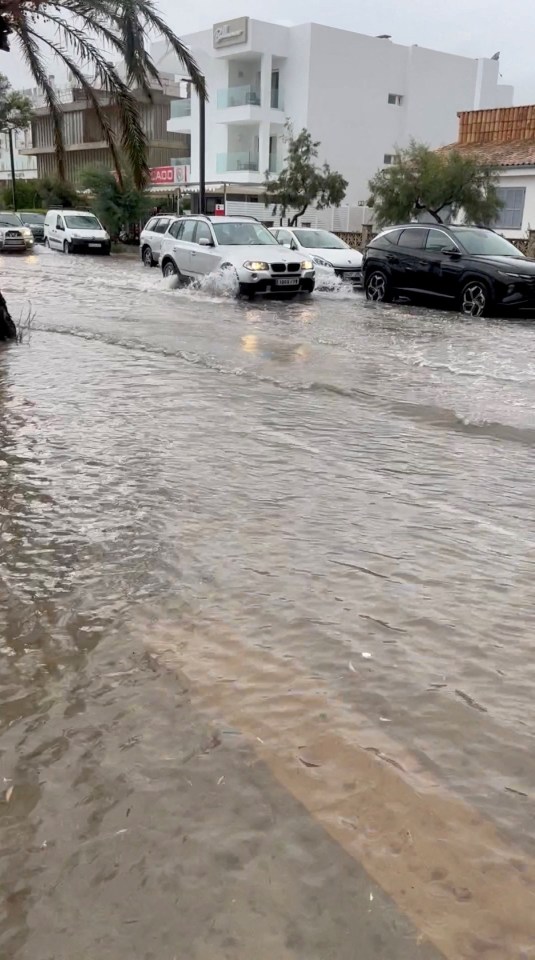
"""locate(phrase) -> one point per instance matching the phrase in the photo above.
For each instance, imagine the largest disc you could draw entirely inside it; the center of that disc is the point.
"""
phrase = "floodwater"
(266, 625)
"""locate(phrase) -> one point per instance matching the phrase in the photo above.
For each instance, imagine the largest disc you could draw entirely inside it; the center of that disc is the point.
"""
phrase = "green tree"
(302, 183)
(438, 183)
(118, 204)
(15, 109)
(28, 195)
(58, 193)
(84, 35)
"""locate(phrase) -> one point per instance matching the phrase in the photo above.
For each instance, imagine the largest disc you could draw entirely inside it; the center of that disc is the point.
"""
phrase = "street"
(266, 616)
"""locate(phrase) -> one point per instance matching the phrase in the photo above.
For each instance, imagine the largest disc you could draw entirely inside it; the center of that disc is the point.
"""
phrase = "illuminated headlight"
(321, 262)
(307, 265)
(255, 265)
(26, 232)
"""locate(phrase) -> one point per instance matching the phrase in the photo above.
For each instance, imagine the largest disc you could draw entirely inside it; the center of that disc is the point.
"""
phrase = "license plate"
(287, 282)
(351, 276)
(95, 245)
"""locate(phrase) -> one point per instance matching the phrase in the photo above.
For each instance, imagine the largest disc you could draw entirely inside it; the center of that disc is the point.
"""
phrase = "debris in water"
(367, 656)
(309, 763)
(352, 668)
(470, 701)
(220, 781)
(9, 794)
(371, 897)
(518, 793)
(260, 739)
(385, 720)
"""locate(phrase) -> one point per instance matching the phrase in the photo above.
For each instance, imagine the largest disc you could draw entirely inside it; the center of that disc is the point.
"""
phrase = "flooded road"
(266, 621)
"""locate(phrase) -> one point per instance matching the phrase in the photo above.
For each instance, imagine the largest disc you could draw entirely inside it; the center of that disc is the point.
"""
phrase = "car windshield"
(32, 218)
(485, 243)
(83, 221)
(321, 239)
(243, 234)
(10, 220)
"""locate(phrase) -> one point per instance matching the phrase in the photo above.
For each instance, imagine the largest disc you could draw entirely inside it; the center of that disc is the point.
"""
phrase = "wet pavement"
(266, 620)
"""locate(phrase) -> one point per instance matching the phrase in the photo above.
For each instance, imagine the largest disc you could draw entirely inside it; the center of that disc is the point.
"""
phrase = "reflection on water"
(312, 480)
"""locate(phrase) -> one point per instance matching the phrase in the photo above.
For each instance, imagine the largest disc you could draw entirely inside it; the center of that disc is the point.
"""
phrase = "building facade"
(361, 96)
(84, 142)
(505, 139)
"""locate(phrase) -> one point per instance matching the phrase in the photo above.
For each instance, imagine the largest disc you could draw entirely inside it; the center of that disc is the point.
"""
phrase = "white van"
(75, 230)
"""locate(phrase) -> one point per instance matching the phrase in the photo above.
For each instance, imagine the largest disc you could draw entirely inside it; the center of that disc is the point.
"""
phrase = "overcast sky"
(474, 28)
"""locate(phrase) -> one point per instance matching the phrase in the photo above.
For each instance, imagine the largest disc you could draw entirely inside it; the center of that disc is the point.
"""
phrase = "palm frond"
(151, 18)
(80, 77)
(31, 54)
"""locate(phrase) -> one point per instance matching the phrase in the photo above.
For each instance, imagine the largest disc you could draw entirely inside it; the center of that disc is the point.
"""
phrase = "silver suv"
(197, 245)
(150, 241)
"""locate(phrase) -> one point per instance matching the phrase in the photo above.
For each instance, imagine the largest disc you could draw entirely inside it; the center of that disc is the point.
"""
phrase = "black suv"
(472, 268)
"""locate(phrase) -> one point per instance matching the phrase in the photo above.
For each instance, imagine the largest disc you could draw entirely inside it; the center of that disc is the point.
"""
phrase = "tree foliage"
(118, 205)
(58, 193)
(28, 195)
(88, 35)
(302, 183)
(440, 184)
(15, 109)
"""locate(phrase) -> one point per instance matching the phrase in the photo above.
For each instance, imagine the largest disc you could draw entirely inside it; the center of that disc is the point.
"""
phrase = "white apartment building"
(360, 96)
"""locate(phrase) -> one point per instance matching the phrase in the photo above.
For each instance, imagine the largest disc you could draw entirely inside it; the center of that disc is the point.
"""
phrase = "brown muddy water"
(266, 625)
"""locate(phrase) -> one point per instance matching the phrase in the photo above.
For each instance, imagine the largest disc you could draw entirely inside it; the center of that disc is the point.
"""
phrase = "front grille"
(294, 267)
(14, 233)
(278, 267)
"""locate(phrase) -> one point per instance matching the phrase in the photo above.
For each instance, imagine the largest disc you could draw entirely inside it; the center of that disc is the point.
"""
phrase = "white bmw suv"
(198, 245)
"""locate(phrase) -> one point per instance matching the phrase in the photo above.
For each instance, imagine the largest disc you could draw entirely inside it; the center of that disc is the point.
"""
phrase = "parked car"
(35, 222)
(13, 234)
(195, 246)
(472, 268)
(74, 230)
(150, 240)
(332, 257)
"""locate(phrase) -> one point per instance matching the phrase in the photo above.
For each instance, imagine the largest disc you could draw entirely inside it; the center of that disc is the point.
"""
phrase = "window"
(59, 224)
(203, 232)
(395, 99)
(389, 158)
(151, 224)
(512, 213)
(176, 229)
(188, 231)
(82, 221)
(162, 225)
(437, 240)
(414, 238)
(284, 237)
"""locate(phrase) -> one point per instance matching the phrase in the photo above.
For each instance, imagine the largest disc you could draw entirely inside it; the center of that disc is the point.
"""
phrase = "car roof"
(88, 213)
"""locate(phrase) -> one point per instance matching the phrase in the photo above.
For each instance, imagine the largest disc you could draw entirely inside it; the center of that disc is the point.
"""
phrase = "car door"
(204, 259)
(409, 267)
(440, 268)
(59, 232)
(158, 230)
(183, 233)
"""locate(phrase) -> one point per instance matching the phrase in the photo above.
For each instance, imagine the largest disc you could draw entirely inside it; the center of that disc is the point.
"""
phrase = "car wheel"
(378, 287)
(46, 243)
(67, 247)
(148, 259)
(475, 299)
(170, 269)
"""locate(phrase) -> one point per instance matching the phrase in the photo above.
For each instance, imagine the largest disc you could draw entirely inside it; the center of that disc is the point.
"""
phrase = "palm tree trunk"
(8, 330)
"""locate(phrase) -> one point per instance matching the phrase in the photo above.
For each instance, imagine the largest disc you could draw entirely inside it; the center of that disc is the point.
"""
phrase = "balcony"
(237, 162)
(246, 96)
(181, 108)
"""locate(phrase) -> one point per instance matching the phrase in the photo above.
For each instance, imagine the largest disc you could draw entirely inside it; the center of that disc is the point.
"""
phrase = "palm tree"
(87, 34)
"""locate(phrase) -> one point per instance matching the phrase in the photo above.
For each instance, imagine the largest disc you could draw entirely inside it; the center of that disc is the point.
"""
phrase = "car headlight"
(514, 276)
(255, 265)
(321, 262)
(307, 265)
(26, 232)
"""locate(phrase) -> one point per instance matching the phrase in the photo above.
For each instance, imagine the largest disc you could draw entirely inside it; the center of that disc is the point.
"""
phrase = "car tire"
(170, 269)
(475, 300)
(67, 247)
(378, 287)
(46, 243)
(148, 259)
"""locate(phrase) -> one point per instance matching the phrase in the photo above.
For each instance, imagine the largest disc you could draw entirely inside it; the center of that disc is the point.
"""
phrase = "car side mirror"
(61, 228)
(451, 251)
(205, 242)
(285, 243)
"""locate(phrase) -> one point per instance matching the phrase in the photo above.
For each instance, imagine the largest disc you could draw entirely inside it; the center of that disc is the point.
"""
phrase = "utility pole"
(202, 154)
(12, 158)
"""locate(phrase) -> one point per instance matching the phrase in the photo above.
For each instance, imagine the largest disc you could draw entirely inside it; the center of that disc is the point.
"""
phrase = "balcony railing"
(238, 97)
(181, 108)
(234, 162)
